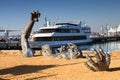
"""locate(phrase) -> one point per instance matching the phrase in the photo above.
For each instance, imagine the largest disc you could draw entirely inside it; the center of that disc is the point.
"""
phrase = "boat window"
(59, 38)
(67, 24)
(59, 30)
(86, 30)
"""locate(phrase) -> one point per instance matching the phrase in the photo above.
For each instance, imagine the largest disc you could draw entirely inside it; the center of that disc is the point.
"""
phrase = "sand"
(13, 66)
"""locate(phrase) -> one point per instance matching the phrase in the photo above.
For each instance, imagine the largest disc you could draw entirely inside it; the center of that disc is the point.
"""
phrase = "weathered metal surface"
(71, 51)
(102, 60)
(27, 51)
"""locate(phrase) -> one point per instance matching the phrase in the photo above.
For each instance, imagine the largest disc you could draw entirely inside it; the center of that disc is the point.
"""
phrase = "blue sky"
(14, 14)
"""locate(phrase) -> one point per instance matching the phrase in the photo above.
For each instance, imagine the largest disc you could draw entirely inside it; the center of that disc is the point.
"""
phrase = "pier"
(13, 45)
(105, 39)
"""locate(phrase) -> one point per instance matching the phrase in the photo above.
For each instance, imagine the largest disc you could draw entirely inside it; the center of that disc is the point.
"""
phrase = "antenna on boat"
(45, 20)
(6, 35)
(84, 24)
(80, 23)
(47, 23)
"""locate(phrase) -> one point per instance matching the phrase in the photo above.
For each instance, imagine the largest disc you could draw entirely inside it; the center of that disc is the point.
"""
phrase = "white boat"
(61, 34)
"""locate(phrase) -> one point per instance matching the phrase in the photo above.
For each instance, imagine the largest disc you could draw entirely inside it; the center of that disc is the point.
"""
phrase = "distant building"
(118, 30)
(111, 32)
(114, 32)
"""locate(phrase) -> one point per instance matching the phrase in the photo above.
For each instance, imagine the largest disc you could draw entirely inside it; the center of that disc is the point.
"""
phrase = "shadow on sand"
(114, 69)
(37, 78)
(3, 79)
(24, 69)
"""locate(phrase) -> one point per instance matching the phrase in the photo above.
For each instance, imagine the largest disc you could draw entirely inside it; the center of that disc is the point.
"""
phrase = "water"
(107, 46)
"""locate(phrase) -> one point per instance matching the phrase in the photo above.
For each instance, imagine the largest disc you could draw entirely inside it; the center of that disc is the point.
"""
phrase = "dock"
(105, 39)
(11, 45)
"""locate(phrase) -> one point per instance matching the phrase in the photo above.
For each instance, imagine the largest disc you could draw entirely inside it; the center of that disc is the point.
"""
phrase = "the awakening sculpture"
(102, 63)
(27, 51)
(71, 51)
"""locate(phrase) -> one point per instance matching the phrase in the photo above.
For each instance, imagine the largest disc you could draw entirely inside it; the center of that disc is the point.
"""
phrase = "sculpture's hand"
(102, 63)
(35, 15)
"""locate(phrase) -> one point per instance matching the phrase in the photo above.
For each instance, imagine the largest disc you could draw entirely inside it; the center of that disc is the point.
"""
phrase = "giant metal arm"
(27, 51)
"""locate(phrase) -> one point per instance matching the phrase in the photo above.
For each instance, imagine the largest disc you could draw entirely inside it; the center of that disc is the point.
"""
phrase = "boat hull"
(38, 44)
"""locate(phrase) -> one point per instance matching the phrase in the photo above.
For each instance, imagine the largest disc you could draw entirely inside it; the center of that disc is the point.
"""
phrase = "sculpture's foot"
(29, 53)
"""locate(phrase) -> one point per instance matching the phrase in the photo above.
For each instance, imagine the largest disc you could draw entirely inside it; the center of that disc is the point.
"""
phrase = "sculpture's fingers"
(89, 67)
(101, 50)
(107, 58)
(97, 55)
(32, 15)
(35, 15)
(91, 60)
(34, 12)
(38, 13)
(102, 53)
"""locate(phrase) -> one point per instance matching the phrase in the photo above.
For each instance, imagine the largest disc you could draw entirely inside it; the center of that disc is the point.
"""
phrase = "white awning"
(118, 29)
(112, 30)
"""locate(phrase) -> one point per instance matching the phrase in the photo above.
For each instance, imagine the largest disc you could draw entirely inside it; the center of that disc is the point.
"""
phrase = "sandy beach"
(13, 66)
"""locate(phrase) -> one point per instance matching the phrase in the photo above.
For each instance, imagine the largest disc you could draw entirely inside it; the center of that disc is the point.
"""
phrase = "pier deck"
(14, 45)
(105, 39)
